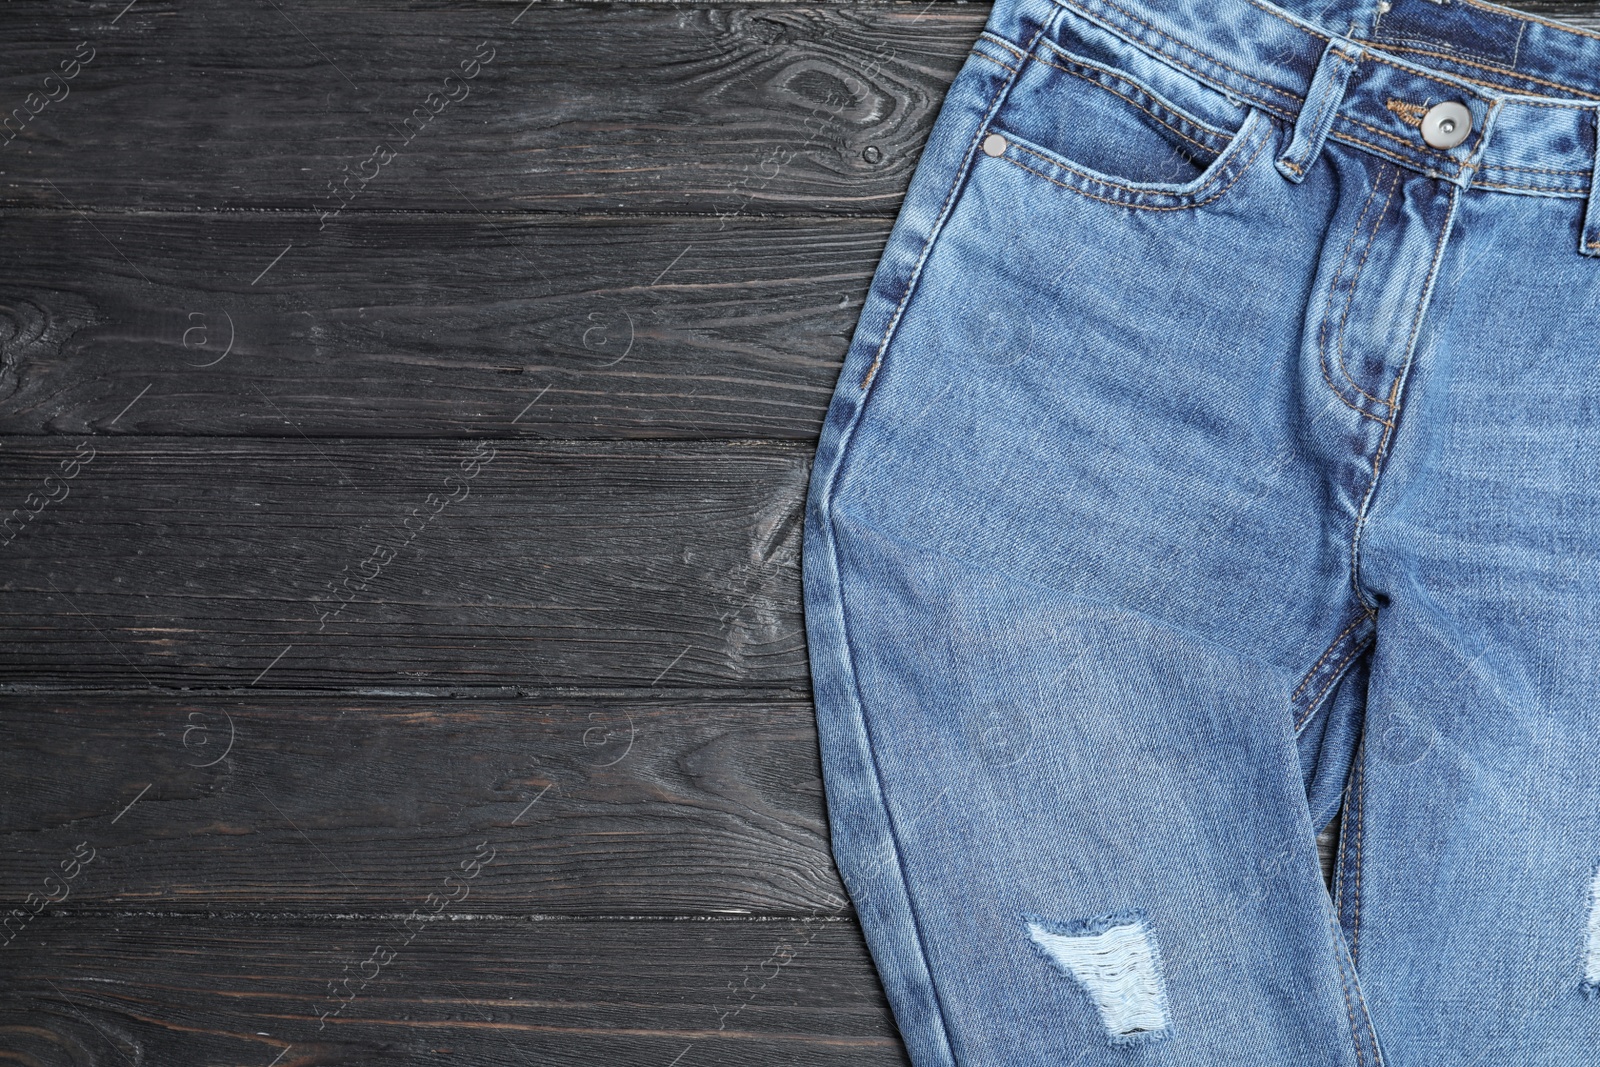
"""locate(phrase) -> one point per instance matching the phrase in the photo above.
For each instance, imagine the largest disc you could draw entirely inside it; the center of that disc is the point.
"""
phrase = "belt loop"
(1322, 102)
(1589, 239)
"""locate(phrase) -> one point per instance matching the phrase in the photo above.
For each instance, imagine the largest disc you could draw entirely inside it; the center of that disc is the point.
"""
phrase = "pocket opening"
(1210, 183)
(1193, 135)
(1103, 114)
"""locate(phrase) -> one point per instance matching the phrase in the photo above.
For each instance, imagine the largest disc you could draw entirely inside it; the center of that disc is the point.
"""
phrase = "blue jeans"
(1218, 453)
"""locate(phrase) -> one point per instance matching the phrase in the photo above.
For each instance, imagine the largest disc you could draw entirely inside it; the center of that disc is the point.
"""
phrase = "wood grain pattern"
(598, 804)
(743, 110)
(92, 991)
(427, 325)
(302, 685)
(295, 563)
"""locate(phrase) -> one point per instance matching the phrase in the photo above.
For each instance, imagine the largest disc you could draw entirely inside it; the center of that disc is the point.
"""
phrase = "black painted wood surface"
(400, 640)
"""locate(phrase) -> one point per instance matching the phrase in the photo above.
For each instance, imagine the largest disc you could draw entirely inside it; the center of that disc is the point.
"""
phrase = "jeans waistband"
(1532, 86)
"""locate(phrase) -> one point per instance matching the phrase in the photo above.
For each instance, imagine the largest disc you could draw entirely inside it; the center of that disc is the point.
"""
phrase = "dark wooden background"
(400, 640)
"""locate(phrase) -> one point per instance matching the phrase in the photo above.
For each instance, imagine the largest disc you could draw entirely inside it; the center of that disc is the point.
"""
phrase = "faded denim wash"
(1218, 455)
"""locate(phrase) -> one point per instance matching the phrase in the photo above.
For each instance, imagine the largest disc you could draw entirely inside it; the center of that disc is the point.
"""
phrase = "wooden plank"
(109, 991)
(301, 564)
(417, 325)
(739, 109)
(603, 804)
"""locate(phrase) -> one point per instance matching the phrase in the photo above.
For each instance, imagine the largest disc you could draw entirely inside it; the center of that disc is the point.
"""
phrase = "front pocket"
(1123, 128)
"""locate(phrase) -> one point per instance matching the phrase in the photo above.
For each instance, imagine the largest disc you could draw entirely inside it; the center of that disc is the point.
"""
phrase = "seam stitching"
(1063, 165)
(1394, 398)
(1189, 48)
(1333, 676)
(1400, 140)
(1238, 173)
(1327, 313)
(877, 775)
(1232, 170)
(992, 59)
(1003, 43)
(1326, 653)
(1199, 77)
(1097, 83)
(1453, 57)
(1420, 160)
(1350, 301)
(1398, 42)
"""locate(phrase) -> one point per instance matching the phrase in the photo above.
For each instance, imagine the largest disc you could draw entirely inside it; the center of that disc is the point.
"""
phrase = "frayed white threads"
(1118, 964)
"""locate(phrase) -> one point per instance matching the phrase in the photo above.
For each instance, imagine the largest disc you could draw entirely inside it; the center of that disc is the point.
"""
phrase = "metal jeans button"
(1446, 125)
(994, 145)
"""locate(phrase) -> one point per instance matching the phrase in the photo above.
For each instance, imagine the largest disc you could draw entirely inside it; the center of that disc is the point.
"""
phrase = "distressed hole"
(1591, 960)
(1116, 961)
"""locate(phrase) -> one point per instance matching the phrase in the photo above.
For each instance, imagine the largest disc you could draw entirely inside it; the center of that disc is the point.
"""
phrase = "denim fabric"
(1215, 455)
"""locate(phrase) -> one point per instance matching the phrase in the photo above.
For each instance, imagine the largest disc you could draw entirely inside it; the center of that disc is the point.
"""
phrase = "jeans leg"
(1467, 879)
(1077, 576)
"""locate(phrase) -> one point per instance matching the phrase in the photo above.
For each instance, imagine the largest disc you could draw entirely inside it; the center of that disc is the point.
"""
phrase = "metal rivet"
(994, 145)
(1446, 125)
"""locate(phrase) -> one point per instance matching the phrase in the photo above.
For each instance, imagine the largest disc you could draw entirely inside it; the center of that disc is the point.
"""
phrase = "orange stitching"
(1210, 59)
(1350, 138)
(1292, 165)
(1383, 446)
(1486, 83)
(1204, 127)
(1346, 137)
(1240, 172)
(1410, 114)
(1316, 701)
(1129, 99)
(1055, 162)
(992, 59)
(1366, 1015)
(1379, 149)
(911, 282)
(1506, 12)
(1322, 334)
(1331, 646)
(1416, 72)
(1359, 410)
(1401, 140)
(1483, 66)
(1344, 368)
(1003, 43)
(1394, 414)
